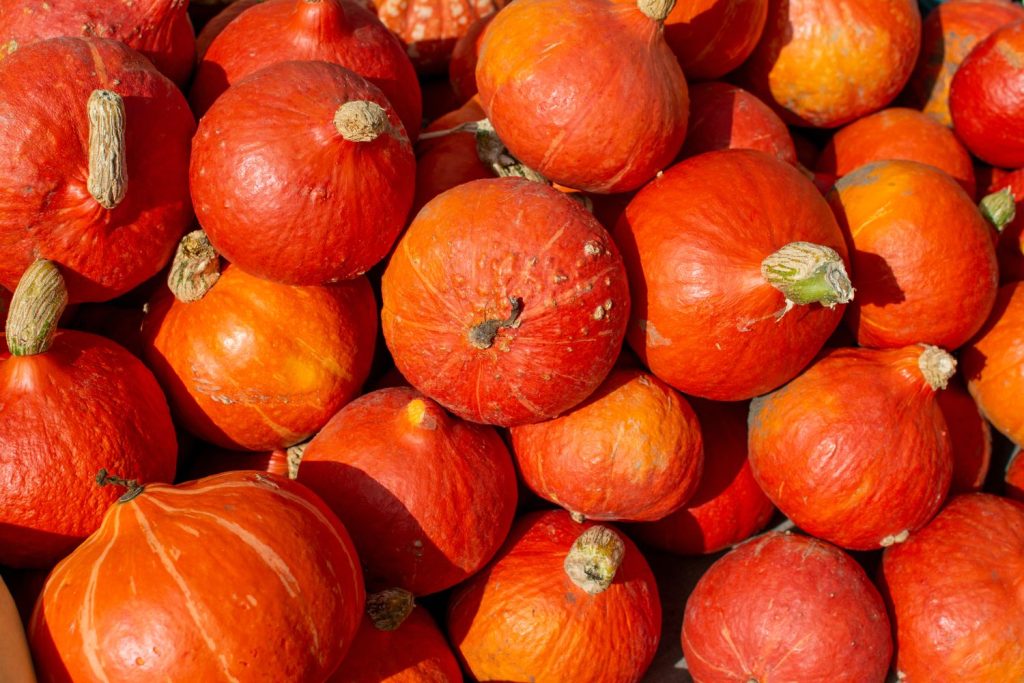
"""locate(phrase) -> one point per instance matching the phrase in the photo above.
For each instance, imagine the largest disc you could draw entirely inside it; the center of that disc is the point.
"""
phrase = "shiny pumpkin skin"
(465, 255)
(85, 404)
(523, 619)
(596, 139)
(444, 162)
(46, 210)
(462, 68)
(185, 562)
(337, 31)
(986, 98)
(159, 29)
(954, 591)
(897, 133)
(970, 436)
(785, 607)
(993, 363)
(710, 38)
(1010, 245)
(282, 194)
(16, 661)
(855, 450)
(825, 63)
(704, 318)
(728, 506)
(631, 452)
(428, 498)
(212, 357)
(924, 263)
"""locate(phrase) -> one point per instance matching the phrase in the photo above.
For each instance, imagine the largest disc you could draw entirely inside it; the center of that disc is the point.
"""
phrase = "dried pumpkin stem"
(361, 121)
(658, 10)
(195, 269)
(999, 208)
(389, 608)
(468, 127)
(808, 273)
(492, 152)
(295, 454)
(937, 366)
(36, 306)
(108, 174)
(482, 335)
(594, 558)
(134, 487)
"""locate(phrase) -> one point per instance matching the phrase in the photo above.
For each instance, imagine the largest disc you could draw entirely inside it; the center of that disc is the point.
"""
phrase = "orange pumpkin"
(710, 38)
(1010, 245)
(970, 436)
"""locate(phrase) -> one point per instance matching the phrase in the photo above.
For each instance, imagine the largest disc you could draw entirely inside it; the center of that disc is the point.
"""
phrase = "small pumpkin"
(710, 38)
(970, 436)
(462, 69)
(17, 663)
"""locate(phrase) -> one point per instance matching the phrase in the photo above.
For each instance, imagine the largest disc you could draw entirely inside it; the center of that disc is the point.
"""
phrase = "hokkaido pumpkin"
(302, 173)
(92, 111)
(70, 403)
(462, 69)
(970, 436)
(243, 575)
(710, 38)
(218, 22)
(15, 661)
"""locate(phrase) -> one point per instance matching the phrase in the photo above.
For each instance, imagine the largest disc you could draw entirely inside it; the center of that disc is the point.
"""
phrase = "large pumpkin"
(238, 576)
(710, 38)
(90, 112)
(17, 663)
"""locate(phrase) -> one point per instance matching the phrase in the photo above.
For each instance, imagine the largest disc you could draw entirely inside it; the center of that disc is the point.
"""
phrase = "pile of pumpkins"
(385, 340)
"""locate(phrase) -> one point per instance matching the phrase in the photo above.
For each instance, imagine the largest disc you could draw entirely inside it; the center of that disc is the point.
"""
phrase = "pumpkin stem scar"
(134, 487)
(482, 335)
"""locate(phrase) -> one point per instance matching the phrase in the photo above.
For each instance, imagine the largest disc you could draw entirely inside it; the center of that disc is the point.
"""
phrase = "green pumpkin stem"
(389, 608)
(36, 307)
(134, 487)
(594, 559)
(808, 273)
(999, 208)
(195, 269)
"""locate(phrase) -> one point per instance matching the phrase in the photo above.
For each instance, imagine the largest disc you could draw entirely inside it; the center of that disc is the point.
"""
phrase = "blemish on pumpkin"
(654, 338)
(607, 304)
(598, 313)
(559, 278)
(1015, 59)
(592, 249)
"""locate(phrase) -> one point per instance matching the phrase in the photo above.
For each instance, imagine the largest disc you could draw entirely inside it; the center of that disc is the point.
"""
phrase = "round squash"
(710, 38)
(462, 69)
(1010, 245)
(970, 436)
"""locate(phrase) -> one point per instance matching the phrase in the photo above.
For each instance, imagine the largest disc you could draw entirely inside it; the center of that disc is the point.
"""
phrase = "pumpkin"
(209, 346)
(993, 363)
(428, 498)
(17, 663)
(856, 450)
(825, 63)
(1014, 478)
(897, 133)
(207, 577)
(70, 403)
(780, 595)
(1010, 245)
(505, 301)
(969, 435)
(218, 22)
(753, 268)
(462, 68)
(446, 161)
(302, 173)
(105, 112)
(728, 506)
(985, 98)
(159, 29)
(710, 38)
(561, 602)
(725, 116)
(954, 593)
(567, 106)
(632, 451)
(924, 263)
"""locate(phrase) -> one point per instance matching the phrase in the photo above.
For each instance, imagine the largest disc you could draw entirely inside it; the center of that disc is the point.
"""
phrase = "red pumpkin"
(783, 607)
(728, 506)
(924, 263)
(574, 119)
(856, 450)
(208, 577)
(68, 185)
(70, 403)
(462, 69)
(427, 498)
(1014, 478)
(710, 38)
(449, 160)
(897, 134)
(969, 435)
(302, 173)
(715, 287)
(505, 301)
(159, 29)
(825, 63)
(216, 25)
(1010, 245)
(954, 591)
(561, 602)
(17, 663)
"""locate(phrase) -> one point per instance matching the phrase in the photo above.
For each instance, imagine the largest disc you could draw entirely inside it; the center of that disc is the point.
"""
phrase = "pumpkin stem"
(594, 558)
(361, 121)
(36, 306)
(492, 151)
(295, 454)
(808, 273)
(468, 127)
(999, 208)
(658, 10)
(108, 175)
(937, 366)
(389, 608)
(482, 335)
(195, 269)
(133, 486)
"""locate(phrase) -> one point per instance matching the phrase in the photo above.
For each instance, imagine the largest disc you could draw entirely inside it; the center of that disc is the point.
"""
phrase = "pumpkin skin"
(159, 29)
(462, 69)
(309, 219)
(710, 38)
(211, 356)
(783, 594)
(986, 98)
(897, 133)
(196, 617)
(522, 618)
(954, 592)
(17, 663)
(970, 436)
(728, 506)
(632, 451)
(467, 253)
(825, 63)
(445, 162)
(46, 210)
(924, 263)
(894, 476)
(213, 28)
(427, 498)
(704, 318)
(596, 139)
